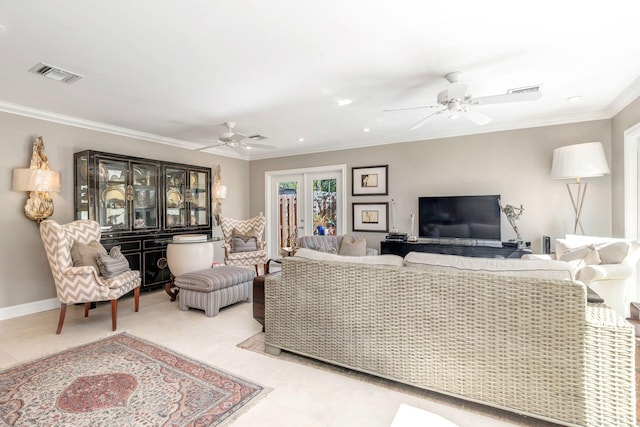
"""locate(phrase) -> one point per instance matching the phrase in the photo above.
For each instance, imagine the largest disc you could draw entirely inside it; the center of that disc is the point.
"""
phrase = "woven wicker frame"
(527, 345)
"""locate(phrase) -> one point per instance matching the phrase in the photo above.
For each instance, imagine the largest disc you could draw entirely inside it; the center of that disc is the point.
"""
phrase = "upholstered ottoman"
(213, 288)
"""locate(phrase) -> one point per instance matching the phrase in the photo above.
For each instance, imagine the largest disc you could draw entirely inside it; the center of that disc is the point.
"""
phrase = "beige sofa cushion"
(506, 267)
(371, 259)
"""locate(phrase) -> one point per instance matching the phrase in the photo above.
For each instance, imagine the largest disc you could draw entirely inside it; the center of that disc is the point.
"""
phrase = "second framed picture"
(371, 217)
(370, 181)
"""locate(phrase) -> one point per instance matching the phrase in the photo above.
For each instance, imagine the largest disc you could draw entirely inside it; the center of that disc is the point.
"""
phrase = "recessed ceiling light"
(248, 148)
(343, 102)
(453, 116)
(366, 130)
(576, 98)
(300, 139)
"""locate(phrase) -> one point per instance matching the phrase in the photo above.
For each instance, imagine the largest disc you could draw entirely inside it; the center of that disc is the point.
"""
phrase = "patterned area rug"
(121, 380)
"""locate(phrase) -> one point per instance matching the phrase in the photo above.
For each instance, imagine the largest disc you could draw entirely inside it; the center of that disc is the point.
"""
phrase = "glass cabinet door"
(145, 200)
(175, 198)
(197, 200)
(82, 187)
(112, 194)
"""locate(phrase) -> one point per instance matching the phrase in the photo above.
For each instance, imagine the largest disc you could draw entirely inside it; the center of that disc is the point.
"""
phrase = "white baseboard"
(28, 308)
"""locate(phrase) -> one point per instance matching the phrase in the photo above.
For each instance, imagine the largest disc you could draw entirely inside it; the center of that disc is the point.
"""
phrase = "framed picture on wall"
(370, 181)
(372, 217)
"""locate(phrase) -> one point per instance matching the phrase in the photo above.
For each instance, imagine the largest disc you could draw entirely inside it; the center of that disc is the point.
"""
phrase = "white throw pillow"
(614, 252)
(610, 251)
(583, 255)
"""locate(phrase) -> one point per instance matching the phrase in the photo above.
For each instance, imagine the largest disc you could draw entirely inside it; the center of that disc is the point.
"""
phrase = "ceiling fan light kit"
(456, 100)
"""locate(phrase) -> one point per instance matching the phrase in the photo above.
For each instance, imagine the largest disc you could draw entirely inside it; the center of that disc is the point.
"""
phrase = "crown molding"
(621, 101)
(49, 116)
(630, 94)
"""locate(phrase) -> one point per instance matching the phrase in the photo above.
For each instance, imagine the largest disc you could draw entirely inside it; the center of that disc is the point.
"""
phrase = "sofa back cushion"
(540, 269)
(394, 260)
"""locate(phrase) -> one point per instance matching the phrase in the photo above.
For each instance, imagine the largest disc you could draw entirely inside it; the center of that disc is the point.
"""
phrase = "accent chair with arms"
(83, 284)
(243, 244)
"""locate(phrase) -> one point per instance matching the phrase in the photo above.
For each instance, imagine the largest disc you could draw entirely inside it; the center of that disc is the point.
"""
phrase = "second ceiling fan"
(456, 100)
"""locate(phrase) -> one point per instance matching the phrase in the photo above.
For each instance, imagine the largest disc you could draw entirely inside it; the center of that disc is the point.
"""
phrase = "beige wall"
(24, 271)
(515, 164)
(622, 121)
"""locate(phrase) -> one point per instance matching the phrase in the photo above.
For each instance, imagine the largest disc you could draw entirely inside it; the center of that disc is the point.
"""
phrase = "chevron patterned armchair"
(83, 284)
(243, 244)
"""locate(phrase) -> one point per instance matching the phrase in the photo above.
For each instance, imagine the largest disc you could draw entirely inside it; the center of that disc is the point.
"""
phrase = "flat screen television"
(462, 217)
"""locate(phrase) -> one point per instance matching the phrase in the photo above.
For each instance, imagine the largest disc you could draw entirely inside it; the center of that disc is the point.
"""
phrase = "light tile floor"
(300, 395)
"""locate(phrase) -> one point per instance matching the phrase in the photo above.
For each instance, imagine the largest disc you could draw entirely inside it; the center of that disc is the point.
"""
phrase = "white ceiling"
(174, 71)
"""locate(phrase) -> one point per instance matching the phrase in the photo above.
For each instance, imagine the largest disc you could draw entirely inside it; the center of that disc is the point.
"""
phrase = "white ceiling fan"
(237, 141)
(455, 100)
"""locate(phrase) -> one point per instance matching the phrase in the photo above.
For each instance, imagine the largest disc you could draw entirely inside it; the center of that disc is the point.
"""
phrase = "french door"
(303, 203)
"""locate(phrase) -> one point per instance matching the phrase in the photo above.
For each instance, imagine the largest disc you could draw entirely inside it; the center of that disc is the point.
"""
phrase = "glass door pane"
(287, 223)
(145, 199)
(112, 194)
(175, 214)
(324, 206)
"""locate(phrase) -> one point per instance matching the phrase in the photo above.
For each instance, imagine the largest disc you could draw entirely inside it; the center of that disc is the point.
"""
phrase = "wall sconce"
(219, 193)
(39, 181)
(579, 161)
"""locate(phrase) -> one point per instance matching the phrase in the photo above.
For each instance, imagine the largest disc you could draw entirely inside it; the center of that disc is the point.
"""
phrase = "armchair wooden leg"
(114, 313)
(63, 311)
(136, 297)
(87, 305)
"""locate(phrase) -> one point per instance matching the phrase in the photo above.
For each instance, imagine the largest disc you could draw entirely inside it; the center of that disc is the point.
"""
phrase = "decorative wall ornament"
(219, 193)
(39, 180)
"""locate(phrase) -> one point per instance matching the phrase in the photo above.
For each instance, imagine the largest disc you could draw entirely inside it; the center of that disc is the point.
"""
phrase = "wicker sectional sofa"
(528, 345)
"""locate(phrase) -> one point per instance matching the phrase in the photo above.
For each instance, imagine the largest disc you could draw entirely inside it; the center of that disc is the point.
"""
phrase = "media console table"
(403, 248)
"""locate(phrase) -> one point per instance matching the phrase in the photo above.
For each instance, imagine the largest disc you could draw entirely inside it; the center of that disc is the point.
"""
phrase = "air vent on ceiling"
(526, 89)
(55, 73)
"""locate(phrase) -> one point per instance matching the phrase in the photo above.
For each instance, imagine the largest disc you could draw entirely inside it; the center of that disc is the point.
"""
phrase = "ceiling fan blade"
(425, 120)
(477, 117)
(410, 108)
(506, 97)
(240, 150)
(250, 145)
(257, 137)
(457, 91)
(217, 144)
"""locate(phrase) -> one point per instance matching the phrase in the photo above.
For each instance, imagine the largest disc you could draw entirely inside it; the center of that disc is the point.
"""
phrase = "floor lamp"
(578, 161)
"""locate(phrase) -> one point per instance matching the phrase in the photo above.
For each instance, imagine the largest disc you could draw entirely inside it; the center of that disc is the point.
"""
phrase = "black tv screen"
(463, 217)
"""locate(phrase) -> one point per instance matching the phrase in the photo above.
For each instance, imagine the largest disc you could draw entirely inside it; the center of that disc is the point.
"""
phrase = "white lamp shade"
(579, 161)
(36, 180)
(220, 192)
